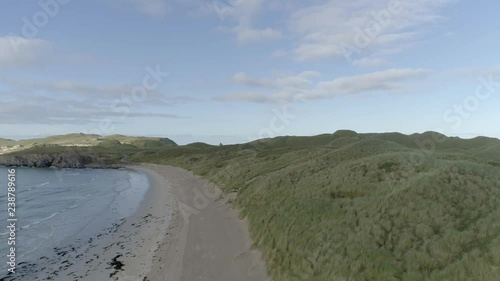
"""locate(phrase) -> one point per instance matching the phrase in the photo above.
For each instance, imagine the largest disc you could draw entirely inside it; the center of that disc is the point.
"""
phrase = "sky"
(232, 71)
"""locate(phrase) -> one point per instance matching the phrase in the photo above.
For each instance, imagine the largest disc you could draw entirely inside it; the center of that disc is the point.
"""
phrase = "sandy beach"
(183, 230)
(207, 241)
(191, 234)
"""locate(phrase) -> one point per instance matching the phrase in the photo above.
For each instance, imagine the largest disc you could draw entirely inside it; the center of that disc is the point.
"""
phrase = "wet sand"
(183, 231)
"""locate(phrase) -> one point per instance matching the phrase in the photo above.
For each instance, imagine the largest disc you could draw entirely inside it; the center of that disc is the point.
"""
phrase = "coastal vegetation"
(82, 140)
(348, 206)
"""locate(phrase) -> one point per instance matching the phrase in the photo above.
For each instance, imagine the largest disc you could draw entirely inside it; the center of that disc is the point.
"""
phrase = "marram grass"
(353, 207)
(363, 208)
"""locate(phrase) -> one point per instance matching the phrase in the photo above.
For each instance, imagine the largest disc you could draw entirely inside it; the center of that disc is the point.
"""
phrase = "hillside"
(82, 140)
(349, 206)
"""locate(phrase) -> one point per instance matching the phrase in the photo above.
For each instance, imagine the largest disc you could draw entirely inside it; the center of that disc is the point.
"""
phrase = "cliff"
(57, 160)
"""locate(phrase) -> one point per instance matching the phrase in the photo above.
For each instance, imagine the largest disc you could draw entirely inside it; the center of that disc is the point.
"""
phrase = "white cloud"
(312, 51)
(16, 52)
(243, 14)
(155, 8)
(69, 86)
(381, 80)
(303, 86)
(245, 34)
(246, 97)
(58, 112)
(245, 79)
(299, 81)
(72, 102)
(85, 91)
(243, 11)
(370, 62)
(282, 82)
(324, 27)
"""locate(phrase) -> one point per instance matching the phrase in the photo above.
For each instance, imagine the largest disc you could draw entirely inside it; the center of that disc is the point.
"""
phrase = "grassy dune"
(363, 207)
(352, 207)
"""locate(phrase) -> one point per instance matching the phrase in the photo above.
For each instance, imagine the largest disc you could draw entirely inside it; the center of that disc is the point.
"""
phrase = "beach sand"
(183, 231)
(207, 241)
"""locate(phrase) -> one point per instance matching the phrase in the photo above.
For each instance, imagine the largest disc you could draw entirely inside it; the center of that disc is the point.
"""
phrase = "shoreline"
(129, 253)
(121, 251)
(208, 240)
(183, 230)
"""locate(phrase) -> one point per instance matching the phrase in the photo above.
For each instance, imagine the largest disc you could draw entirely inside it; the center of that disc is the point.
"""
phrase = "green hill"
(84, 140)
(348, 206)
(5, 142)
(199, 145)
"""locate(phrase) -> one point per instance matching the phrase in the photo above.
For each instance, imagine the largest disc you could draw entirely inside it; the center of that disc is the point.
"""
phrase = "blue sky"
(237, 70)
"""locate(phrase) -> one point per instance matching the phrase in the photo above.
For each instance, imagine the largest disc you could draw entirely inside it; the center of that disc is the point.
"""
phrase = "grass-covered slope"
(347, 206)
(84, 140)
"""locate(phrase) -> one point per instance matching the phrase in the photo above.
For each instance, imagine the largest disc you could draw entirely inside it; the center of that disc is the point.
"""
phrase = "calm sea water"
(55, 206)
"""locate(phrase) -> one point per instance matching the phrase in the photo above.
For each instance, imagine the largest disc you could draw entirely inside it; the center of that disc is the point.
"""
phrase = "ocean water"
(56, 206)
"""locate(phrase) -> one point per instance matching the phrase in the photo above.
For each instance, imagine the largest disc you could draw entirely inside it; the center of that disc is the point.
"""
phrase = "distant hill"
(427, 140)
(5, 142)
(199, 145)
(83, 140)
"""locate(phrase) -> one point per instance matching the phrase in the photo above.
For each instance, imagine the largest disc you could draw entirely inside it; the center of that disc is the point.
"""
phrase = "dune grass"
(353, 207)
(362, 207)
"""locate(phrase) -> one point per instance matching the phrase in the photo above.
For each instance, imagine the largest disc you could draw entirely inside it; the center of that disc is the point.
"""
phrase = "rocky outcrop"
(59, 160)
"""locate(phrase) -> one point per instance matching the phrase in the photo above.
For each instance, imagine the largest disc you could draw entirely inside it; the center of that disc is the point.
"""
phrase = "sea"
(55, 206)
